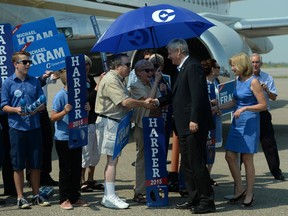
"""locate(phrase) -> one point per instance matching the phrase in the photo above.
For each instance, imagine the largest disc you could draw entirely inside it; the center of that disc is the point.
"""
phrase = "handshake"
(151, 103)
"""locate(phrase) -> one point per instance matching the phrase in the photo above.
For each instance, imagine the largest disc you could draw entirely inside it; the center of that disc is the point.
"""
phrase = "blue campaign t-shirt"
(61, 126)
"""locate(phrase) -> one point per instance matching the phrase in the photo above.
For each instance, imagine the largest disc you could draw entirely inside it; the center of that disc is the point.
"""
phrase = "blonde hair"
(242, 63)
(157, 59)
(16, 55)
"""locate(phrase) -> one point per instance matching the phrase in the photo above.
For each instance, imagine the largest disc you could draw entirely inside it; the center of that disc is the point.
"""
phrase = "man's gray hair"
(180, 44)
(256, 54)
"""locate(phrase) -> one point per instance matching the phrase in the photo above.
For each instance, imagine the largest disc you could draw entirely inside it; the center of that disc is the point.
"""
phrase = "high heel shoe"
(236, 199)
(248, 204)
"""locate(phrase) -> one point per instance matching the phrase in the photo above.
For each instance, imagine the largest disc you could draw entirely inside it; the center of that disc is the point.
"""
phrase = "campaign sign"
(48, 54)
(122, 136)
(6, 52)
(155, 162)
(226, 94)
(210, 144)
(26, 33)
(77, 98)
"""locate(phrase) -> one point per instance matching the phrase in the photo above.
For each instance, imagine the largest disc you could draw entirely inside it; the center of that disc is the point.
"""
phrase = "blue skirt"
(244, 133)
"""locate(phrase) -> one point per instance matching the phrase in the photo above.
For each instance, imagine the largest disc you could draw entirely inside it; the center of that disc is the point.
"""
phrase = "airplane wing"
(253, 28)
(262, 27)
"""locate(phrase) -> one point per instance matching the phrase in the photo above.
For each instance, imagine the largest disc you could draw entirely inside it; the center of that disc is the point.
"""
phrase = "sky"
(266, 9)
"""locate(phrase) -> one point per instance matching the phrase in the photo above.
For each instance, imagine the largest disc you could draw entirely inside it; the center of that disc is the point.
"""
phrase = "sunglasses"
(148, 70)
(128, 64)
(217, 67)
(24, 62)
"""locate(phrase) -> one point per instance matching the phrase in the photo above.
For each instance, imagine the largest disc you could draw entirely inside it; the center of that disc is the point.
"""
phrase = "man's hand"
(150, 103)
(47, 74)
(264, 86)
(193, 127)
(18, 110)
(55, 75)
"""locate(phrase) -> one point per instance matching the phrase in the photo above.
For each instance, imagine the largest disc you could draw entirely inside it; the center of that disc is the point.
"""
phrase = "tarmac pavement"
(271, 196)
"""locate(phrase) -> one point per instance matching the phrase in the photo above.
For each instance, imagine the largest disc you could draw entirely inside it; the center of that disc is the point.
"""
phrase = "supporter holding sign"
(77, 97)
(66, 114)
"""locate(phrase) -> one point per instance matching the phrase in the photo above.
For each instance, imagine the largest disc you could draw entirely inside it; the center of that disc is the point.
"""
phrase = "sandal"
(95, 186)
(139, 198)
(85, 187)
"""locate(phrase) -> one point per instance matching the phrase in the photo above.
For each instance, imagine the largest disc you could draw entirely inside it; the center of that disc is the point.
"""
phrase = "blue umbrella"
(150, 27)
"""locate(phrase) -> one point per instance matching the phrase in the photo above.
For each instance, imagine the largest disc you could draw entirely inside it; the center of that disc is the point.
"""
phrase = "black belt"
(104, 116)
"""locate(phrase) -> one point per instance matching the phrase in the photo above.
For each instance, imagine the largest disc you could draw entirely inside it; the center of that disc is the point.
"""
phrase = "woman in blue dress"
(248, 101)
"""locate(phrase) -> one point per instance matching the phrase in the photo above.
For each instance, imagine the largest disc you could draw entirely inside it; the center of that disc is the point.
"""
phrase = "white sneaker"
(104, 198)
(114, 202)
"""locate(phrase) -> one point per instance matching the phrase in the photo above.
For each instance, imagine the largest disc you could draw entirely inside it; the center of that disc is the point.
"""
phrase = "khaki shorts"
(106, 130)
(91, 152)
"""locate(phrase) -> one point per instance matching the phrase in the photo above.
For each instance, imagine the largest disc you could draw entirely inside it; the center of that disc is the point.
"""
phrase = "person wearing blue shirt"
(267, 138)
(69, 159)
(25, 129)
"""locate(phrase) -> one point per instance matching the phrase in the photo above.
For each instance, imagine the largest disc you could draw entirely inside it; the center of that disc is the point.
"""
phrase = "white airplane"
(229, 36)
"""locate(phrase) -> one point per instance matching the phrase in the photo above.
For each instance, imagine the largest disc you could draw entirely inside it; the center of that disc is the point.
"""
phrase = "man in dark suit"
(193, 120)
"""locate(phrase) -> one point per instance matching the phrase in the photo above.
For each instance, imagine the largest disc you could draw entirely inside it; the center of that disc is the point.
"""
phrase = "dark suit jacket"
(190, 99)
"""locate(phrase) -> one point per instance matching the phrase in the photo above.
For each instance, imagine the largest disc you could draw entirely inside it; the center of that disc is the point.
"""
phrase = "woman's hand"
(239, 111)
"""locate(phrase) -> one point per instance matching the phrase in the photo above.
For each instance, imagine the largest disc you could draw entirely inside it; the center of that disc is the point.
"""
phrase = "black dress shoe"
(48, 181)
(187, 205)
(183, 193)
(280, 177)
(10, 193)
(203, 209)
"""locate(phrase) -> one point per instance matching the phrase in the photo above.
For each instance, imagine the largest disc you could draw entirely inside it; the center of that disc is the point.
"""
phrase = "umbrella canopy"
(150, 27)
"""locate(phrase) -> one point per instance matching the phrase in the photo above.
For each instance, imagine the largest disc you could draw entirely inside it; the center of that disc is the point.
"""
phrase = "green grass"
(274, 65)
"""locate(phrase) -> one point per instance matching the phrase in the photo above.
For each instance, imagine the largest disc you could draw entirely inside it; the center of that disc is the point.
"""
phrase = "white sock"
(110, 189)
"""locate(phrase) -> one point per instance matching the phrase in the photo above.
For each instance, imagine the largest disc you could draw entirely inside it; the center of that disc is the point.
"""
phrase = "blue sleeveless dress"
(244, 132)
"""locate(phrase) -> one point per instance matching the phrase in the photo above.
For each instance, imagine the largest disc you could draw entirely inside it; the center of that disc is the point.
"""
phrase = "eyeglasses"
(128, 64)
(148, 70)
(24, 62)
